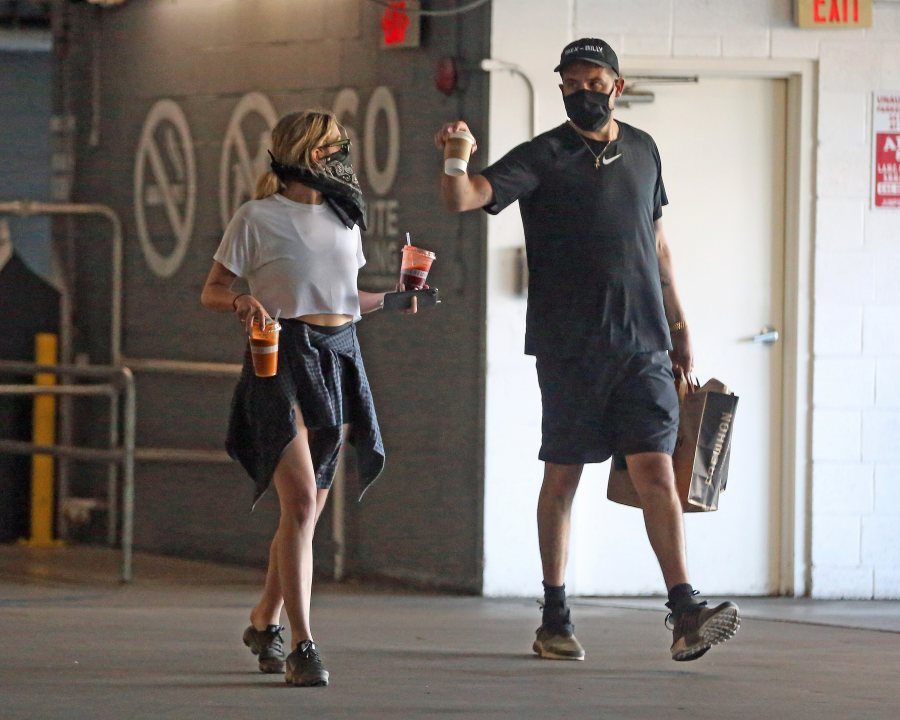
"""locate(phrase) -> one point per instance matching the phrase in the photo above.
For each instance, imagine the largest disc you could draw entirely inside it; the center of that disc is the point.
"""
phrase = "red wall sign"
(886, 150)
(833, 14)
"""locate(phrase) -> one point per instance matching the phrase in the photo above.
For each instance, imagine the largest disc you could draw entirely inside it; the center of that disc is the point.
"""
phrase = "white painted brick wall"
(640, 44)
(856, 254)
(841, 545)
(692, 17)
(842, 170)
(842, 488)
(843, 583)
(881, 330)
(840, 382)
(881, 436)
(639, 17)
(887, 488)
(837, 435)
(887, 581)
(890, 64)
(846, 65)
(845, 272)
(793, 43)
(887, 383)
(837, 329)
(746, 46)
(697, 46)
(880, 541)
(883, 227)
(840, 223)
(843, 114)
(887, 277)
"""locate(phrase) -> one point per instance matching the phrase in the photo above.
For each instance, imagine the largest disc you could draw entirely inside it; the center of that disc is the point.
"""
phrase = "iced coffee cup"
(414, 266)
(457, 150)
(264, 348)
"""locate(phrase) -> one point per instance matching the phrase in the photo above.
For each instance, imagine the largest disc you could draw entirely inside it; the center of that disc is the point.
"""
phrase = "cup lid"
(421, 251)
(463, 134)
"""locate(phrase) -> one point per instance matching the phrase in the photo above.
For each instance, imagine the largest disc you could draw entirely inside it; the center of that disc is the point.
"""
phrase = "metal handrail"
(124, 454)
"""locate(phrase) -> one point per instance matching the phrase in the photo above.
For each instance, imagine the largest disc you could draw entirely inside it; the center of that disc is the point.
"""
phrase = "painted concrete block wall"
(853, 512)
(421, 522)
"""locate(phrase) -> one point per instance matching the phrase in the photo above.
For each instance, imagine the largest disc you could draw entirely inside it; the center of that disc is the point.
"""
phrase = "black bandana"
(336, 181)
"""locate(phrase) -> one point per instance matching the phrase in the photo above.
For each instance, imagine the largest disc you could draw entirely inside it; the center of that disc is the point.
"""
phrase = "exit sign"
(833, 13)
(401, 24)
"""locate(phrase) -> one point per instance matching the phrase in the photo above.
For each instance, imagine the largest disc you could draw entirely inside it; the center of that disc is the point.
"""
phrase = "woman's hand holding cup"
(250, 312)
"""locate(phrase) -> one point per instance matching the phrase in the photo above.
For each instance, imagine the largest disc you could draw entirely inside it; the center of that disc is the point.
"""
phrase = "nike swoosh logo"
(608, 160)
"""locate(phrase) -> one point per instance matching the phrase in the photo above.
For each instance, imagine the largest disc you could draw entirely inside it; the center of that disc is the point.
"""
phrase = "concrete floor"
(79, 645)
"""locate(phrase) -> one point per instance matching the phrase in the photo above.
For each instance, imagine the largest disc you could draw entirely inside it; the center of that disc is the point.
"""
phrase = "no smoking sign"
(244, 152)
(165, 188)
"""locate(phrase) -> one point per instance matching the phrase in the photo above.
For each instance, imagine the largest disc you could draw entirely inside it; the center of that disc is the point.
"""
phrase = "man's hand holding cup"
(458, 145)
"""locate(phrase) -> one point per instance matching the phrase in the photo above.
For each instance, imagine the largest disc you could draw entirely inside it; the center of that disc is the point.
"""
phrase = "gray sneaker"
(696, 628)
(269, 645)
(556, 643)
(305, 667)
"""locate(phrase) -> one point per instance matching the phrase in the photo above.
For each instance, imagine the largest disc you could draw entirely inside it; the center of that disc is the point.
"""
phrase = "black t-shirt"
(593, 281)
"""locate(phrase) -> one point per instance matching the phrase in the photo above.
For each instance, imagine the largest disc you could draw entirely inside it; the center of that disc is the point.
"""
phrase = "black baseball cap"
(590, 50)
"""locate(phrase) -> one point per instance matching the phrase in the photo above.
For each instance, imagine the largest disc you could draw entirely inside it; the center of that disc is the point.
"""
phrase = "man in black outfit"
(605, 325)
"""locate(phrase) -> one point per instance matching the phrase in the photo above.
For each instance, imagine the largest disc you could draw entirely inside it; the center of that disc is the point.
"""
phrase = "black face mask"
(588, 110)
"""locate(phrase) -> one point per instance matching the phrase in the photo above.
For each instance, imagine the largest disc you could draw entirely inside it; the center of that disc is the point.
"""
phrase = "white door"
(722, 143)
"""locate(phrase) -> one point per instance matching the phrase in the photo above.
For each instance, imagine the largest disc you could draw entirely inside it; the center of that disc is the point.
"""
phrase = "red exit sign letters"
(833, 13)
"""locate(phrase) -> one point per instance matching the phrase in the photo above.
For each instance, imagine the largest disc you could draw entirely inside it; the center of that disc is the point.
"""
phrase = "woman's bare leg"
(268, 610)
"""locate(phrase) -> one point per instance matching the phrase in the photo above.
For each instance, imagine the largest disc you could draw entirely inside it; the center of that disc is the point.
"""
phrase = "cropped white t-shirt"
(298, 258)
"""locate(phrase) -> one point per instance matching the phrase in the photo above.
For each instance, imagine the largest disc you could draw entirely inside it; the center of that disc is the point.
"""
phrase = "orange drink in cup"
(264, 348)
(414, 266)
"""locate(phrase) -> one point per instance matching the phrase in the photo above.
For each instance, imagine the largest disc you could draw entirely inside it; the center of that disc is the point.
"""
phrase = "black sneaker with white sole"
(305, 667)
(696, 628)
(268, 644)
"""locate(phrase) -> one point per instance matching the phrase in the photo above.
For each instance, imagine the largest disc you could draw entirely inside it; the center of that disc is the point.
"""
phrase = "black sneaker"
(269, 645)
(555, 638)
(696, 628)
(305, 667)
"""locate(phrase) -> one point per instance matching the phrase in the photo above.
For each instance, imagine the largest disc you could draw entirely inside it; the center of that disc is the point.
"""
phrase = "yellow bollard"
(43, 433)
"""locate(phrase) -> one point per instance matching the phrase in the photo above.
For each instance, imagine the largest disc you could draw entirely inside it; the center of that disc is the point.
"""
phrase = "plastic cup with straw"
(264, 347)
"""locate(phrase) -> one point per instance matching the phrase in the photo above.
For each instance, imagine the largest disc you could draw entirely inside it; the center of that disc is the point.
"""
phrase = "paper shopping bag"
(702, 450)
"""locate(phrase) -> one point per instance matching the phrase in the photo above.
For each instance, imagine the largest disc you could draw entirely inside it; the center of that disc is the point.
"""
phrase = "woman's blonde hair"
(293, 140)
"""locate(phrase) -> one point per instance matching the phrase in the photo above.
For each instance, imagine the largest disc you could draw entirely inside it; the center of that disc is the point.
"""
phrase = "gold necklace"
(597, 158)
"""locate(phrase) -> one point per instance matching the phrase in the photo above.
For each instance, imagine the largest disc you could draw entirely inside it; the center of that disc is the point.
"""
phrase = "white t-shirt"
(298, 258)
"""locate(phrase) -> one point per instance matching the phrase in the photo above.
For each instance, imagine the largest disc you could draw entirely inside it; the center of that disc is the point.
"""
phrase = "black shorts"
(596, 406)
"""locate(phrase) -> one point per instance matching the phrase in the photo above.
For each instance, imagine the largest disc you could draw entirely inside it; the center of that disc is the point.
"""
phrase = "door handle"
(767, 336)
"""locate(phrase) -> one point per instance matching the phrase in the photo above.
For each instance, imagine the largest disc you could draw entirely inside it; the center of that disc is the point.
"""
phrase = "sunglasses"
(343, 145)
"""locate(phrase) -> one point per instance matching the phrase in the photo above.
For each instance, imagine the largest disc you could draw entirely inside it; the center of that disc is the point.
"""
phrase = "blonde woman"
(298, 245)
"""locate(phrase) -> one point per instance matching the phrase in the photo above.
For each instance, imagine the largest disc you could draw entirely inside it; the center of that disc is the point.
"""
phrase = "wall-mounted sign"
(165, 188)
(886, 149)
(244, 152)
(833, 13)
(401, 24)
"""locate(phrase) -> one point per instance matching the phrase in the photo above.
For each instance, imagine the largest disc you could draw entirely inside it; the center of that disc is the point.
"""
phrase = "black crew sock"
(681, 596)
(556, 612)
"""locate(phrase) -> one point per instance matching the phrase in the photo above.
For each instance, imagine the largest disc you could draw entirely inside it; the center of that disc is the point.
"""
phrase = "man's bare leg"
(555, 638)
(554, 518)
(654, 480)
(695, 628)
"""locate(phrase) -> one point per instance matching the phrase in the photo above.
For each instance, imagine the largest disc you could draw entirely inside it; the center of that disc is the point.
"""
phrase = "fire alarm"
(446, 75)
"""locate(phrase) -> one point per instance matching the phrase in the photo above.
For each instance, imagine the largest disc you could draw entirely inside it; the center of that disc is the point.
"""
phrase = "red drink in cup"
(414, 266)
(264, 348)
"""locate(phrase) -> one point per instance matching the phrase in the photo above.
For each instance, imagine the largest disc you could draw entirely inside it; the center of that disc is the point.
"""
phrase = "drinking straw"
(407, 239)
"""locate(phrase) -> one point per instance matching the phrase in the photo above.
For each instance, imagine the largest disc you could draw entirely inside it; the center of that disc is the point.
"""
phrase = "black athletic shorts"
(599, 405)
